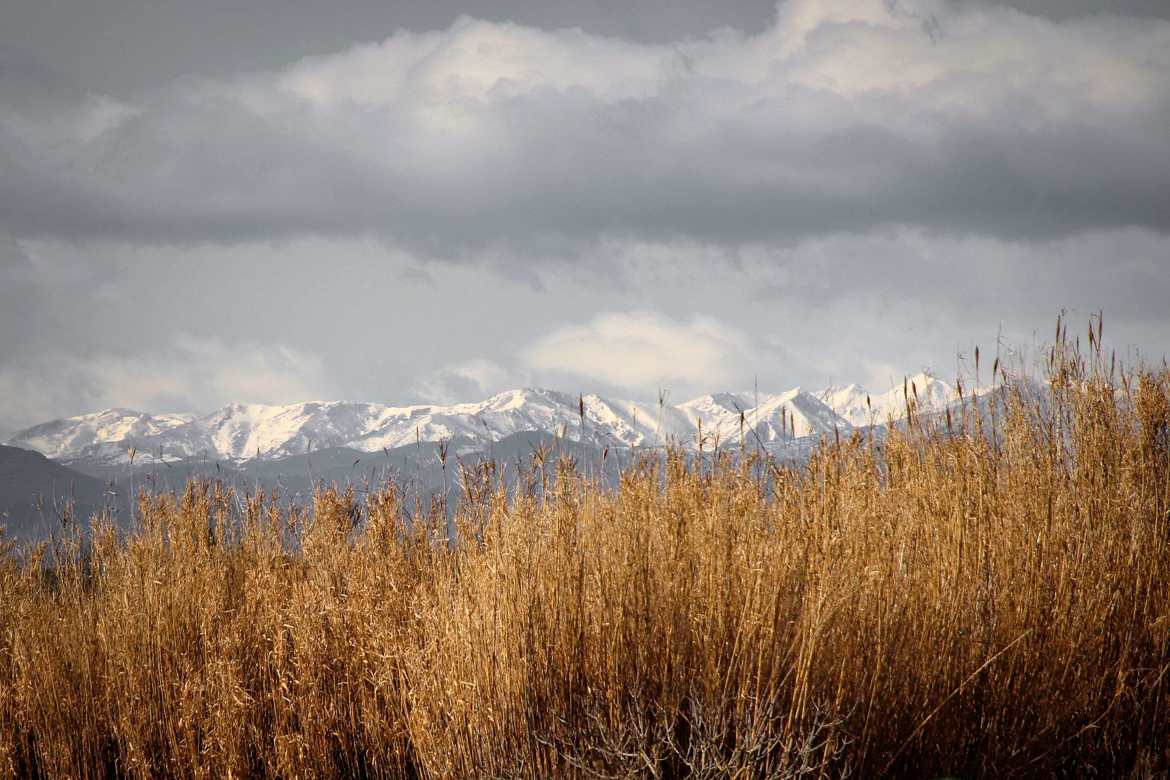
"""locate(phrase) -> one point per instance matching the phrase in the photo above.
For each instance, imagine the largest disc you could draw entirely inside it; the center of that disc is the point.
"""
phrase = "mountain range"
(101, 459)
(245, 432)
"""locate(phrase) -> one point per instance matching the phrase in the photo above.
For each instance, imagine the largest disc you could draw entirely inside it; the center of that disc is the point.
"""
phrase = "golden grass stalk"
(955, 598)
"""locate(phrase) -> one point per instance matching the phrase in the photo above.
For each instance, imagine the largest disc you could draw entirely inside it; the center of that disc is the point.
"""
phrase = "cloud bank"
(512, 141)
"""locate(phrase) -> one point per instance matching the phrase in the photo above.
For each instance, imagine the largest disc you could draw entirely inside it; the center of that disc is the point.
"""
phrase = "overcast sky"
(275, 201)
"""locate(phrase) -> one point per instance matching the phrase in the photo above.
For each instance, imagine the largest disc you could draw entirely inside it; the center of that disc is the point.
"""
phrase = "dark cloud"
(123, 47)
(500, 138)
(1072, 9)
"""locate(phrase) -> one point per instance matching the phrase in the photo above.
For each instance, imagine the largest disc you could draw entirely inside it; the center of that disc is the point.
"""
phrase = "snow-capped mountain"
(925, 392)
(849, 401)
(245, 431)
(777, 418)
(75, 435)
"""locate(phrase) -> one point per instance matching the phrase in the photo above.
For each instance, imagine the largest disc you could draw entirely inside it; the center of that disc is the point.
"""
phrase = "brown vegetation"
(968, 596)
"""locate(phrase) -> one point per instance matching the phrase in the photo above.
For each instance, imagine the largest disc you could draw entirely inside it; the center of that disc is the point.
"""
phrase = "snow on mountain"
(241, 431)
(795, 414)
(777, 418)
(925, 392)
(484, 421)
(849, 401)
(245, 431)
(633, 424)
(73, 435)
(717, 408)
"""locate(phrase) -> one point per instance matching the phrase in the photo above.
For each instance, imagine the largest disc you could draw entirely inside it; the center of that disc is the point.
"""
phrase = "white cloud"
(192, 375)
(470, 380)
(480, 61)
(964, 59)
(641, 351)
(948, 56)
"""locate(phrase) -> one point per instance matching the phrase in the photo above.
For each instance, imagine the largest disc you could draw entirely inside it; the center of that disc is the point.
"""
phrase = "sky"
(205, 203)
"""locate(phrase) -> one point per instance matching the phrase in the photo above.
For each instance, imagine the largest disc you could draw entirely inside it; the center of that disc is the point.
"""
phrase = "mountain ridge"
(34, 491)
(242, 431)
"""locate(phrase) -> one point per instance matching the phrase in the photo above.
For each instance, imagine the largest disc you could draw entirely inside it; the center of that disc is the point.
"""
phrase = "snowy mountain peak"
(61, 438)
(927, 391)
(778, 418)
(853, 402)
(794, 414)
(242, 431)
(716, 406)
(862, 407)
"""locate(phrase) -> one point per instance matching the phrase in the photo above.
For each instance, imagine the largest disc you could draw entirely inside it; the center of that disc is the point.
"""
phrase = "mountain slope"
(29, 478)
(777, 419)
(72, 436)
(860, 407)
(851, 401)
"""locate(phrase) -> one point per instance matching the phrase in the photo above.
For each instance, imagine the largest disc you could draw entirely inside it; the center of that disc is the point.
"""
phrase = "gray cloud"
(496, 138)
(1124, 271)
(125, 47)
(1072, 9)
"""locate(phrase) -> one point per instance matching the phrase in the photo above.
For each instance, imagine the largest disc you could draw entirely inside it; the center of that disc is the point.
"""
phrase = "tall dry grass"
(974, 596)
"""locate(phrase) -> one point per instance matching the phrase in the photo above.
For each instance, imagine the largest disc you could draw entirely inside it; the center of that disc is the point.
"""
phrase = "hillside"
(34, 491)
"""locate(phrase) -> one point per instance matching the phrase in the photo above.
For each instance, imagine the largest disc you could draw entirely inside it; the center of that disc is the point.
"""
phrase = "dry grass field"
(983, 593)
